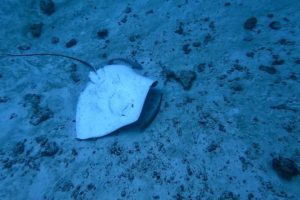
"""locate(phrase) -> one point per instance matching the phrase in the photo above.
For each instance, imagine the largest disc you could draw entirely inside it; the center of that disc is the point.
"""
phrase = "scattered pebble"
(103, 33)
(36, 29)
(275, 25)
(186, 78)
(19, 148)
(40, 115)
(47, 7)
(54, 40)
(285, 167)
(269, 70)
(71, 43)
(250, 23)
(3, 99)
(49, 149)
(24, 47)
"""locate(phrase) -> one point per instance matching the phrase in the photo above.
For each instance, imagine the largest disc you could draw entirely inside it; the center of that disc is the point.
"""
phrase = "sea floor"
(229, 123)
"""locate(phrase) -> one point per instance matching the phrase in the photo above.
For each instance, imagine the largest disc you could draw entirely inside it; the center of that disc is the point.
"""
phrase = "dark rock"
(201, 67)
(275, 25)
(19, 148)
(32, 99)
(297, 61)
(103, 33)
(237, 87)
(50, 149)
(66, 186)
(278, 62)
(250, 23)
(186, 78)
(228, 196)
(180, 29)
(24, 47)
(71, 43)
(41, 140)
(128, 10)
(36, 29)
(285, 167)
(197, 44)
(54, 40)
(116, 149)
(40, 115)
(270, 70)
(186, 48)
(47, 7)
(3, 99)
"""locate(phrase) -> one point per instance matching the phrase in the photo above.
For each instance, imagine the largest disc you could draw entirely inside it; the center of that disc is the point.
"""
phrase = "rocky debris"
(74, 75)
(19, 148)
(250, 23)
(186, 48)
(47, 7)
(4, 99)
(103, 33)
(32, 100)
(285, 167)
(275, 25)
(24, 47)
(269, 70)
(54, 40)
(184, 77)
(36, 29)
(72, 42)
(49, 149)
(229, 196)
(40, 115)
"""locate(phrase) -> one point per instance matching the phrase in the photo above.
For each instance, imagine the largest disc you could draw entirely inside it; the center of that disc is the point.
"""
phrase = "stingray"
(116, 97)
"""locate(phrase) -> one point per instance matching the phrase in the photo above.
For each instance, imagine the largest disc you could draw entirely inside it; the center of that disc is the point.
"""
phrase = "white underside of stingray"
(112, 99)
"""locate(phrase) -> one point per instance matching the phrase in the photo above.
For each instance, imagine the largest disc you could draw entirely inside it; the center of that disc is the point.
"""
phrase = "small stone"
(19, 148)
(275, 25)
(54, 40)
(250, 23)
(24, 47)
(71, 43)
(103, 33)
(32, 99)
(186, 78)
(197, 44)
(36, 29)
(186, 48)
(40, 115)
(201, 67)
(270, 70)
(47, 7)
(3, 99)
(50, 149)
(278, 62)
(285, 167)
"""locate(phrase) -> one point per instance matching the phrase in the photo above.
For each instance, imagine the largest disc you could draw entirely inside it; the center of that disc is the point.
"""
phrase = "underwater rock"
(47, 7)
(19, 148)
(3, 99)
(275, 25)
(50, 149)
(186, 78)
(285, 167)
(269, 70)
(250, 23)
(36, 29)
(71, 43)
(40, 115)
(54, 40)
(103, 33)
